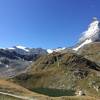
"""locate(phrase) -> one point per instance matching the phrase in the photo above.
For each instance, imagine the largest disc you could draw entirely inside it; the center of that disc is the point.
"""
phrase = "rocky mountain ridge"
(17, 59)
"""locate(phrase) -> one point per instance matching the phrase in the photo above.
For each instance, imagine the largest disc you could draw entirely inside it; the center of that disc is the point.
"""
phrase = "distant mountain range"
(17, 59)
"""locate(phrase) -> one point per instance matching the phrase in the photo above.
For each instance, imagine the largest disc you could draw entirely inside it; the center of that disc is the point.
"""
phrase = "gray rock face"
(16, 60)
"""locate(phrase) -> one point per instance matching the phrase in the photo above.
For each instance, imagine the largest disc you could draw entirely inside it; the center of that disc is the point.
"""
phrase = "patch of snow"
(23, 48)
(55, 50)
(84, 43)
(11, 48)
(59, 49)
(49, 51)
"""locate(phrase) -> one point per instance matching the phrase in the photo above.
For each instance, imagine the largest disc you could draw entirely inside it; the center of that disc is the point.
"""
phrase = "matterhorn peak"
(92, 34)
(93, 31)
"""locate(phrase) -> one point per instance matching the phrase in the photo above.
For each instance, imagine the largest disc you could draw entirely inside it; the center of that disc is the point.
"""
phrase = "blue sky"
(45, 23)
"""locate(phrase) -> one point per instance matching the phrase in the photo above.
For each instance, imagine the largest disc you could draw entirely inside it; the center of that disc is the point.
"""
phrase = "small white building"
(79, 93)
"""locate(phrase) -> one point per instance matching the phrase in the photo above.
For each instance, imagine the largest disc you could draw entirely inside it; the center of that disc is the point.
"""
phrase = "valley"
(53, 74)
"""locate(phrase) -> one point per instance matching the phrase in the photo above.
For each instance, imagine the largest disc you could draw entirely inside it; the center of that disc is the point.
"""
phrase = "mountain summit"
(92, 34)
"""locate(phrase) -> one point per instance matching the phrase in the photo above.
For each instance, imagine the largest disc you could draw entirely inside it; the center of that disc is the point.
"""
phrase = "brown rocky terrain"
(91, 51)
(62, 74)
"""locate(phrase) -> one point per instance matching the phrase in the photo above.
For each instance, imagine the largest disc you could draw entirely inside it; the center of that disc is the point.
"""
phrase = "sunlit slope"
(63, 71)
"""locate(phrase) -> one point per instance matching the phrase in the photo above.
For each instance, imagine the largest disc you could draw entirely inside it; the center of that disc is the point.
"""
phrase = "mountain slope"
(62, 72)
(91, 51)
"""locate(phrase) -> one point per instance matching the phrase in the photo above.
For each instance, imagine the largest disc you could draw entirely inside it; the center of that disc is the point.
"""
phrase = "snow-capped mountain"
(92, 34)
(55, 50)
(26, 51)
(17, 59)
(19, 47)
